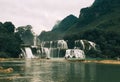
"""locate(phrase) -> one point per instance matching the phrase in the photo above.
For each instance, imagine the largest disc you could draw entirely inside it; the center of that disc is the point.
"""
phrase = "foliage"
(99, 23)
(9, 43)
(65, 24)
(59, 29)
(25, 33)
(108, 41)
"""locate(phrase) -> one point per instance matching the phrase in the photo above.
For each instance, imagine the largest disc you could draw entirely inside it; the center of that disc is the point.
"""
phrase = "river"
(58, 70)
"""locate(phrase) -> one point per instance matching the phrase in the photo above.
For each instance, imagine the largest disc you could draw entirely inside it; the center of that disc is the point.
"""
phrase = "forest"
(12, 38)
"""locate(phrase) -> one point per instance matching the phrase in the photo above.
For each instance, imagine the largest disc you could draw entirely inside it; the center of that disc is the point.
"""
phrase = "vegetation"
(26, 34)
(99, 23)
(109, 42)
(59, 29)
(9, 42)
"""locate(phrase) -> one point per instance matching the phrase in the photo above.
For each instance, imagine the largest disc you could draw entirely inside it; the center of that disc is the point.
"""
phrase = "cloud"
(41, 14)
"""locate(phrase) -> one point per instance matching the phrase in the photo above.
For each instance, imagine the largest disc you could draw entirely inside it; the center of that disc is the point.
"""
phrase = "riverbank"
(102, 61)
(7, 70)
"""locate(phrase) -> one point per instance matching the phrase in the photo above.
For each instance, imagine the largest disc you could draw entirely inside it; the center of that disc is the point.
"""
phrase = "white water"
(28, 53)
(22, 54)
(46, 52)
(62, 44)
(92, 44)
(35, 40)
(52, 48)
(83, 45)
(77, 53)
(55, 44)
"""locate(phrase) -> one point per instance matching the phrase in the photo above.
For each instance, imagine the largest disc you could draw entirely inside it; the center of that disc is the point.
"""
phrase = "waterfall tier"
(84, 45)
(75, 53)
(27, 53)
(55, 44)
(59, 48)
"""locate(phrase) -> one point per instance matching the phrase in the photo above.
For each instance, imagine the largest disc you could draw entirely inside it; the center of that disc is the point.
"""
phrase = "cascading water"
(54, 47)
(45, 52)
(75, 53)
(35, 41)
(61, 44)
(59, 48)
(92, 44)
(85, 45)
(28, 53)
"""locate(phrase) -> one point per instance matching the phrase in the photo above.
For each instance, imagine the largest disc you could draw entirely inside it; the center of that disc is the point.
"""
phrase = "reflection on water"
(58, 71)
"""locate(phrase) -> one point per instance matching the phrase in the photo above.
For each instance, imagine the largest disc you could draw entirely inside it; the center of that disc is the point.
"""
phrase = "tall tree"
(9, 26)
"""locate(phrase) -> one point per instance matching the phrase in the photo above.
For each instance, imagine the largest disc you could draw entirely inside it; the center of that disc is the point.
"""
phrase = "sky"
(40, 14)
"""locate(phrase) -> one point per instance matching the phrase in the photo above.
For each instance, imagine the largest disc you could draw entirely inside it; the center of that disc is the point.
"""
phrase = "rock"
(8, 70)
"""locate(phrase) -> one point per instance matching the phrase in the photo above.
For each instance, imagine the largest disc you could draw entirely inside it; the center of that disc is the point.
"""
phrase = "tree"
(9, 44)
(9, 26)
(26, 34)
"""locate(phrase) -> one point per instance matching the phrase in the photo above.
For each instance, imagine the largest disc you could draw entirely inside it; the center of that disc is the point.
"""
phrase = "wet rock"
(8, 70)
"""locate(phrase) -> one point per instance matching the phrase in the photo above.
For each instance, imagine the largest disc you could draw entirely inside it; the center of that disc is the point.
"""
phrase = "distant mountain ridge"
(99, 23)
(65, 24)
(59, 29)
(103, 14)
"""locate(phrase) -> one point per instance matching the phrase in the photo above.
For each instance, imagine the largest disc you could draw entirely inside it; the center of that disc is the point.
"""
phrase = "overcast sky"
(41, 14)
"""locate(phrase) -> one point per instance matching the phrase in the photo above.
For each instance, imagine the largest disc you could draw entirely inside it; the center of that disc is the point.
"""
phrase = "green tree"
(26, 34)
(9, 26)
(9, 44)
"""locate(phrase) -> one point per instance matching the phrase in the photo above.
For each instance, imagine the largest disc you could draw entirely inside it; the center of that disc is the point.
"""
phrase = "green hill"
(103, 14)
(99, 23)
(65, 24)
(59, 29)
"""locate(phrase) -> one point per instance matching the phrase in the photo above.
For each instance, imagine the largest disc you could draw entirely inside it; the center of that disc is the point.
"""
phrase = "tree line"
(12, 38)
(108, 41)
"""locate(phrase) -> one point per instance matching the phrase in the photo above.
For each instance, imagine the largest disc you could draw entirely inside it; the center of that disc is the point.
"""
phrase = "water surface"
(59, 70)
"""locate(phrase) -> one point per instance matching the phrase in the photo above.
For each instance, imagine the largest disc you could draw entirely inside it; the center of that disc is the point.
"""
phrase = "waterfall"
(83, 45)
(79, 44)
(35, 40)
(28, 53)
(58, 48)
(92, 44)
(79, 53)
(53, 48)
(45, 52)
(23, 54)
(62, 44)
(75, 53)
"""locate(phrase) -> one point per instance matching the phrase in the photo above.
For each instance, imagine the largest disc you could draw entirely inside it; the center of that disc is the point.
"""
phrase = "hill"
(59, 29)
(103, 14)
(99, 23)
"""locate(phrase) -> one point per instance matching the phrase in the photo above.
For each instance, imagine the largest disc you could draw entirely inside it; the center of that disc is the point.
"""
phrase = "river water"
(58, 70)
